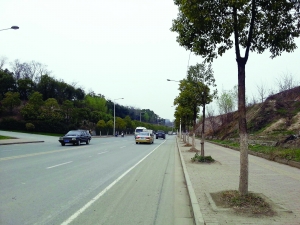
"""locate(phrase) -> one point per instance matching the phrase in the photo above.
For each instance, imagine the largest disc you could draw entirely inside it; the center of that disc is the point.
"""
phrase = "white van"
(138, 130)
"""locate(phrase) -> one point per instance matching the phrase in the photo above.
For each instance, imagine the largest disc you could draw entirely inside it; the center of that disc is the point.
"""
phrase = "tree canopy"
(210, 28)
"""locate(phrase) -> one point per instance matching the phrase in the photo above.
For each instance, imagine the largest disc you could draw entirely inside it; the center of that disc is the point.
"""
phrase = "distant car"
(160, 134)
(138, 130)
(144, 137)
(75, 137)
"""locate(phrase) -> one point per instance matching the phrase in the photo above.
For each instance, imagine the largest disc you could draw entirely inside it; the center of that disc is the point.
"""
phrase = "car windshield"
(73, 133)
(138, 130)
(144, 134)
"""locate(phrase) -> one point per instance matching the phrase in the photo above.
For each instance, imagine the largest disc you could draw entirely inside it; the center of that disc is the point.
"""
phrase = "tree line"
(32, 99)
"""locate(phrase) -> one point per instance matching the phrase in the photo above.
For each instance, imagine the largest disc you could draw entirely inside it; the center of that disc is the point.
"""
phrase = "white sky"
(121, 48)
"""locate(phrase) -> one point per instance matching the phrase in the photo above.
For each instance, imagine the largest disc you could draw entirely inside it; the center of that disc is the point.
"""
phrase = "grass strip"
(273, 152)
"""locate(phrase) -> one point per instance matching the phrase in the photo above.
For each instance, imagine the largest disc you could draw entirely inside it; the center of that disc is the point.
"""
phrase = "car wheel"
(62, 144)
(157, 138)
(78, 143)
(136, 142)
(88, 141)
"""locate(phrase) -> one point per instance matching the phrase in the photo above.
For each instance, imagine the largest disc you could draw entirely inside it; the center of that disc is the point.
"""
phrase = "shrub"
(30, 126)
(199, 158)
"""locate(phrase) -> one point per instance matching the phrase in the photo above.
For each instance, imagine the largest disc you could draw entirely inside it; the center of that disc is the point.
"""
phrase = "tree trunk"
(243, 185)
(202, 135)
(194, 128)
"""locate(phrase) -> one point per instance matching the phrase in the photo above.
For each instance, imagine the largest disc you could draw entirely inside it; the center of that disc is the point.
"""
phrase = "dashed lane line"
(38, 153)
(50, 167)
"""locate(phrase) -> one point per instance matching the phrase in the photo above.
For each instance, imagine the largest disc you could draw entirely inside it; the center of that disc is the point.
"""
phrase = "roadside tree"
(128, 124)
(11, 100)
(50, 111)
(33, 107)
(286, 82)
(184, 118)
(109, 126)
(67, 108)
(190, 98)
(7, 83)
(120, 124)
(25, 87)
(210, 28)
(203, 75)
(100, 126)
(262, 92)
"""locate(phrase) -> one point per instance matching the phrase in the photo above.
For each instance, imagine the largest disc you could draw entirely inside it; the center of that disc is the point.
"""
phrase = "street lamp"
(13, 28)
(115, 115)
(173, 80)
(179, 125)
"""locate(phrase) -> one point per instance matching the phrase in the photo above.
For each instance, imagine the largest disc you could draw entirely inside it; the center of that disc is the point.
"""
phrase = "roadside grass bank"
(273, 152)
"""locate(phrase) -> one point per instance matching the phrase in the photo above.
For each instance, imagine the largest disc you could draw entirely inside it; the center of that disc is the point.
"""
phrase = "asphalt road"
(110, 181)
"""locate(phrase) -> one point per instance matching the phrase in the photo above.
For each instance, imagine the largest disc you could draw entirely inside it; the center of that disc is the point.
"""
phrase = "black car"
(75, 137)
(160, 134)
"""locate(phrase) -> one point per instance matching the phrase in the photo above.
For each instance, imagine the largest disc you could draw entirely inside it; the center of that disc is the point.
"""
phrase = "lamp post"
(114, 133)
(172, 106)
(173, 80)
(11, 28)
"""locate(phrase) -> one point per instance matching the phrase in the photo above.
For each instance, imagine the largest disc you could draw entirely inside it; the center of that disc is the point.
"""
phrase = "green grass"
(5, 137)
(227, 142)
(288, 154)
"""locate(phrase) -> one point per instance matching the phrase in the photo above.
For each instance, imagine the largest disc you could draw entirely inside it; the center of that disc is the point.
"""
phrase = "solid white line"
(76, 214)
(50, 167)
(101, 153)
(123, 147)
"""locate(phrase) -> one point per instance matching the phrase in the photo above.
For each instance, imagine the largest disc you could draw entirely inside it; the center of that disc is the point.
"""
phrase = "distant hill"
(276, 119)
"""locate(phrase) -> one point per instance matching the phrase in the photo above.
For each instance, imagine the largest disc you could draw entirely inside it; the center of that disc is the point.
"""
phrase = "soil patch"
(252, 205)
(193, 150)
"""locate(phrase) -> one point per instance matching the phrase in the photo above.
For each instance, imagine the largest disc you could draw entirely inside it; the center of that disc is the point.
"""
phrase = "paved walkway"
(277, 182)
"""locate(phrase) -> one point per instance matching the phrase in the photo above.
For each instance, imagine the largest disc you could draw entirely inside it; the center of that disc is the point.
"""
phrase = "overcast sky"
(121, 49)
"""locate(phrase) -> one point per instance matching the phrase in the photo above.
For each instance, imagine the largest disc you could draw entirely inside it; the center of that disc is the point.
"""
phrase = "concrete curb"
(198, 218)
(21, 142)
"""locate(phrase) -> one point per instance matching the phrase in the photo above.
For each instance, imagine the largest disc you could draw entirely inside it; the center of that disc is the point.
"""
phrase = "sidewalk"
(279, 183)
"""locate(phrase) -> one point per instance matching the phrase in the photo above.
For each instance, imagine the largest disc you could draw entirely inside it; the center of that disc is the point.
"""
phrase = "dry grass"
(251, 205)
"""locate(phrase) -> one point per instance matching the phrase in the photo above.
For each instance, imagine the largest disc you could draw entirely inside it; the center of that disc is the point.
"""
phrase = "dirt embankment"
(276, 119)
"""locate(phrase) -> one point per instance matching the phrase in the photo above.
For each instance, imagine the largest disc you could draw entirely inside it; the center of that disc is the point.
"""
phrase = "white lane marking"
(50, 167)
(101, 153)
(123, 147)
(6, 150)
(87, 205)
